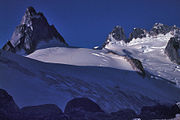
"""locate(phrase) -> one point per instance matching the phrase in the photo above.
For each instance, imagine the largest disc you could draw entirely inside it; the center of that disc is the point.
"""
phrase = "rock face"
(116, 35)
(80, 109)
(136, 65)
(85, 109)
(125, 114)
(33, 33)
(138, 33)
(172, 49)
(82, 104)
(159, 112)
(160, 28)
(8, 109)
(42, 112)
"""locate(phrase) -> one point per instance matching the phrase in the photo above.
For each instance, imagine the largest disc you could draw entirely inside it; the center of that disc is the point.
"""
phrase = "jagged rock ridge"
(118, 33)
(33, 32)
(172, 49)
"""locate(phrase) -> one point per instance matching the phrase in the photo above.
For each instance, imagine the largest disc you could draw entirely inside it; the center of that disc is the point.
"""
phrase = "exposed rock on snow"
(32, 30)
(172, 49)
(136, 65)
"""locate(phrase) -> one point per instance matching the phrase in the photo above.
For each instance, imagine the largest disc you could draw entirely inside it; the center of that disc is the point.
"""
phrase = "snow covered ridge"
(32, 31)
(118, 34)
(158, 50)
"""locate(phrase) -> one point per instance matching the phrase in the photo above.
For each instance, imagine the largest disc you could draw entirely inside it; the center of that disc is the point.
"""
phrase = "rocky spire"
(118, 33)
(137, 33)
(30, 12)
(32, 32)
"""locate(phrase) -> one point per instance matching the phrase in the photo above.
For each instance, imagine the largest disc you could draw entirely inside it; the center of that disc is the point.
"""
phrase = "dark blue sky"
(86, 23)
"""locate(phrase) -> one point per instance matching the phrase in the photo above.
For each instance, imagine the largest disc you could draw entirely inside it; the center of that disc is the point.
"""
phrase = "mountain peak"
(118, 33)
(34, 32)
(31, 10)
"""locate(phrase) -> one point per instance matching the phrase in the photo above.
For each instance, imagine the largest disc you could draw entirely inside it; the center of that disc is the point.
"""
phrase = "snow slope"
(32, 82)
(150, 51)
(80, 57)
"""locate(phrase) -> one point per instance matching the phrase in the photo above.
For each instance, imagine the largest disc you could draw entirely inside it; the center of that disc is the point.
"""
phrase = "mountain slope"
(32, 82)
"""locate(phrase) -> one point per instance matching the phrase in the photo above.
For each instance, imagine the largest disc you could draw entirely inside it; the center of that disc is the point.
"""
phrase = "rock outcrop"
(159, 112)
(137, 33)
(117, 34)
(136, 65)
(80, 109)
(124, 114)
(82, 104)
(33, 33)
(172, 49)
(42, 112)
(8, 108)
(160, 28)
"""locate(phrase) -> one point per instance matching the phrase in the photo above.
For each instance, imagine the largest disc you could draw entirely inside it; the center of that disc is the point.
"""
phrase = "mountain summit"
(34, 32)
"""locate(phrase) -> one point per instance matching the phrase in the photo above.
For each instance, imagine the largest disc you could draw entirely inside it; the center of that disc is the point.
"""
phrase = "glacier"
(33, 82)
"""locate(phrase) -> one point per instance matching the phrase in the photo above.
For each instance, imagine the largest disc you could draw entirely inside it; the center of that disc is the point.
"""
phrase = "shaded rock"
(33, 32)
(160, 28)
(125, 114)
(137, 33)
(136, 65)
(117, 34)
(8, 109)
(82, 104)
(82, 115)
(159, 112)
(172, 49)
(42, 112)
